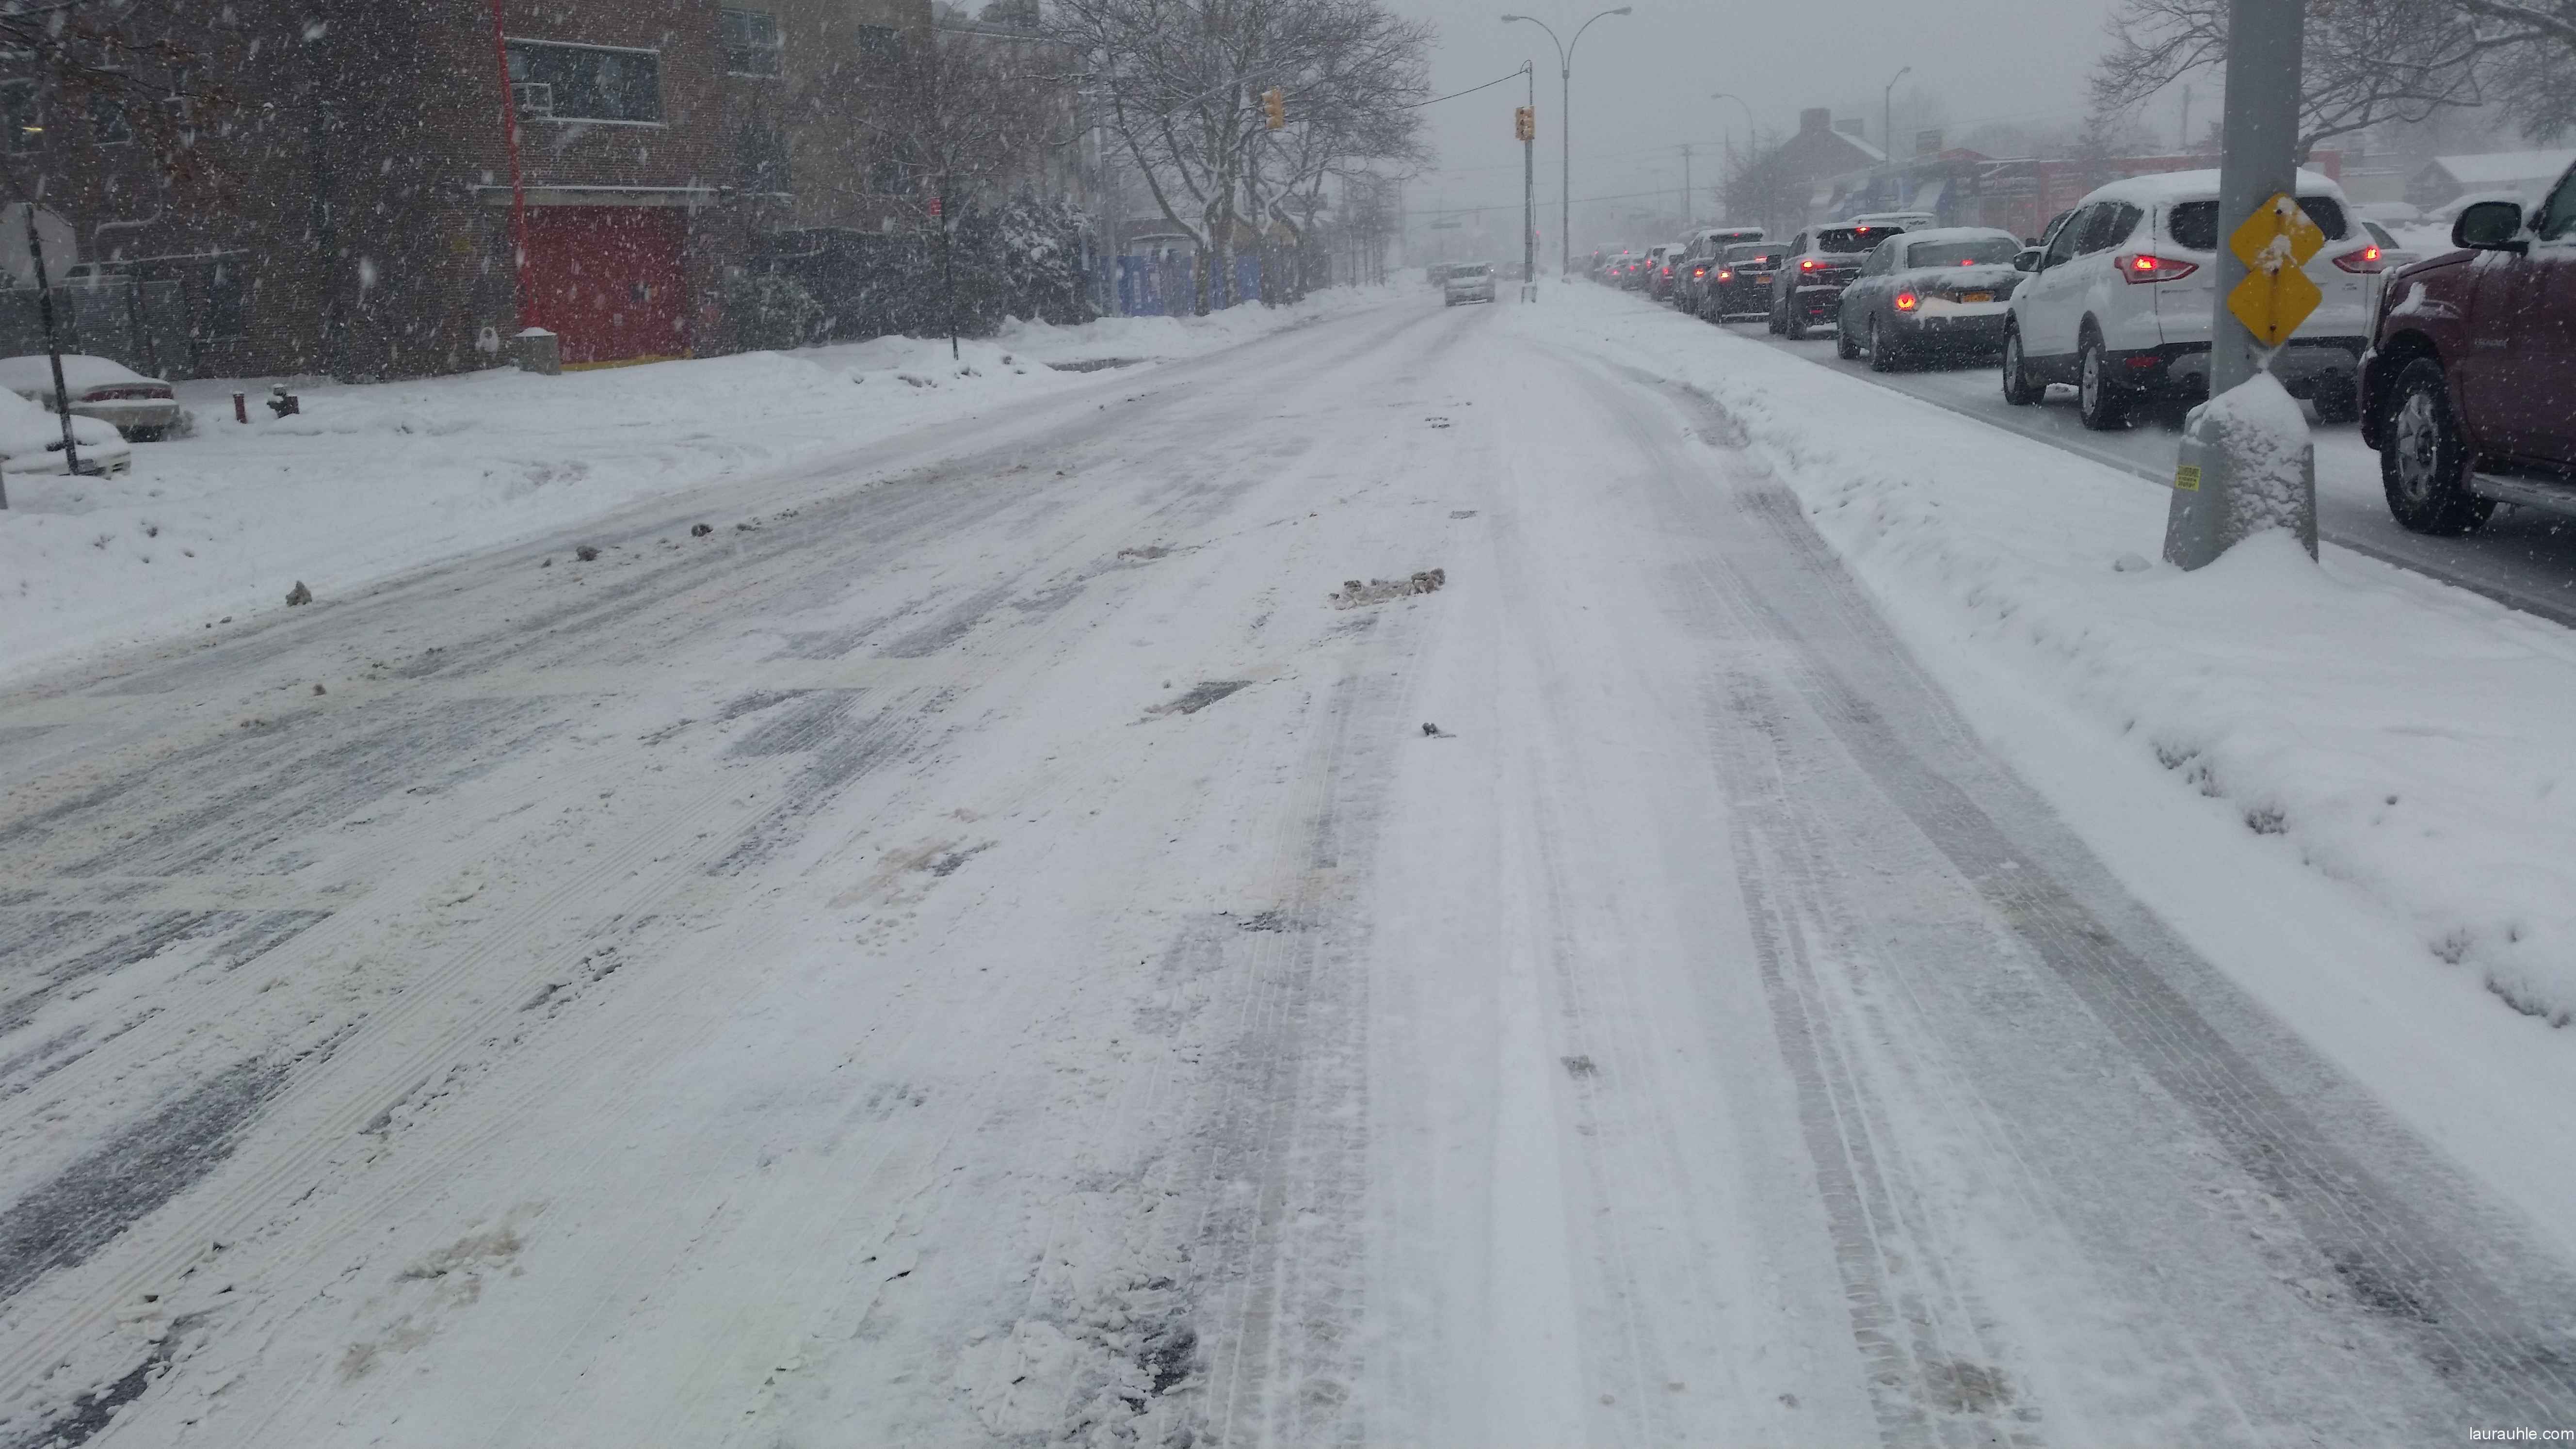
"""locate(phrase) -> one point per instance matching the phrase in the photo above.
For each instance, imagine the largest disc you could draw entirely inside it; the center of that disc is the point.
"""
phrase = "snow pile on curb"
(372, 479)
(2410, 739)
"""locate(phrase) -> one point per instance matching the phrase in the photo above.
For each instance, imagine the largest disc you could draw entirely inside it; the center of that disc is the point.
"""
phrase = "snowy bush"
(770, 312)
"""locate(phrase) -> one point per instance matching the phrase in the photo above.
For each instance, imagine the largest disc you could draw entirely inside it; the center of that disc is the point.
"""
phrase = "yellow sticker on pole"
(2187, 477)
(2276, 295)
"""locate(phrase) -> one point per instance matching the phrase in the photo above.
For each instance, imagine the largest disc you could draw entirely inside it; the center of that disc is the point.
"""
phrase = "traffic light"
(1524, 123)
(1274, 107)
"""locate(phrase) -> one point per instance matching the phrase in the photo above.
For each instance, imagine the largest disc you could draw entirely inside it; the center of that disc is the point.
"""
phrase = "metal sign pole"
(53, 345)
(2243, 470)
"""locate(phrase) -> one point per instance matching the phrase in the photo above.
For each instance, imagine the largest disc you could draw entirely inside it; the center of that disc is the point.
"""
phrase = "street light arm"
(1562, 55)
(1587, 25)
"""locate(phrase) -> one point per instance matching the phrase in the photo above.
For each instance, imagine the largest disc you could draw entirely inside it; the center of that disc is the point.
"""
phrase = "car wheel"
(1793, 321)
(145, 435)
(1882, 348)
(2099, 402)
(2423, 460)
(2018, 390)
(2337, 402)
(1847, 342)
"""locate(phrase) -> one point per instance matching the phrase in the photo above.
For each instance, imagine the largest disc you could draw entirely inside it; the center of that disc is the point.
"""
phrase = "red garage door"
(609, 280)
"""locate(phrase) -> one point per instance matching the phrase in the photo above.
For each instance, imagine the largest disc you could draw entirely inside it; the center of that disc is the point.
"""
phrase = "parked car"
(1468, 282)
(1945, 291)
(2119, 301)
(2468, 390)
(1659, 272)
(1807, 289)
(31, 441)
(141, 408)
(1701, 256)
(1741, 285)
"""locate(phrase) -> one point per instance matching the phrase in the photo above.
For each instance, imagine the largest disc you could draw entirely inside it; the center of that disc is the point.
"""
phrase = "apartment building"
(351, 202)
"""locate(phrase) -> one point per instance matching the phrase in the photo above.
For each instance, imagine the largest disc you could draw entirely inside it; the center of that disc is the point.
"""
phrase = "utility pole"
(1525, 126)
(1688, 211)
(53, 344)
(2243, 469)
(1887, 127)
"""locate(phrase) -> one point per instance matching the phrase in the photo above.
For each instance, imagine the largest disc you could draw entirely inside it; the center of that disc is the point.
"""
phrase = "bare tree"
(2367, 61)
(126, 67)
(1179, 84)
(1760, 185)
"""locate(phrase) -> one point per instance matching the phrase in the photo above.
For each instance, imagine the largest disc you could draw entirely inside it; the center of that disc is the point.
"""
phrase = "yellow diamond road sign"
(2276, 296)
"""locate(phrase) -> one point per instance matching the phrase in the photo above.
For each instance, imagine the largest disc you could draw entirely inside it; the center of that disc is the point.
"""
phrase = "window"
(2558, 213)
(760, 158)
(2194, 224)
(18, 115)
(2061, 247)
(881, 50)
(585, 82)
(2107, 225)
(108, 124)
(1987, 251)
(751, 42)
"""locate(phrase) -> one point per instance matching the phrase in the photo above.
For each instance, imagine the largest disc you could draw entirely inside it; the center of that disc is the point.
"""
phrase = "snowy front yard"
(370, 480)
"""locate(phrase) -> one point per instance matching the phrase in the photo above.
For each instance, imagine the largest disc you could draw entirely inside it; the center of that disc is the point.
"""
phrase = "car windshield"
(1753, 254)
(1480, 269)
(1999, 249)
(2194, 224)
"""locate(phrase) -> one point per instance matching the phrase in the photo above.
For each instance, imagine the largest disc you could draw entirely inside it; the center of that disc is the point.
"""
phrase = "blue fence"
(1157, 284)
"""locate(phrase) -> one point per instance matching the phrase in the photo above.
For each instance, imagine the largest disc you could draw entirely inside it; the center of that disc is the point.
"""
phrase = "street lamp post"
(1565, 123)
(1887, 124)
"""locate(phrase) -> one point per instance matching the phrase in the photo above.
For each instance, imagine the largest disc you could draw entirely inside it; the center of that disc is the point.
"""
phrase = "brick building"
(348, 204)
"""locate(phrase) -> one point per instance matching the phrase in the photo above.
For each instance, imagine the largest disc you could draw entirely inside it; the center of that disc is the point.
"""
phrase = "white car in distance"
(1468, 282)
(142, 408)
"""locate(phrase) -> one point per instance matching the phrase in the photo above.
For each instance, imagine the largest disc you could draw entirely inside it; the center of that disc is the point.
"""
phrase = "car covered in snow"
(1807, 288)
(1944, 291)
(2119, 300)
(2469, 388)
(31, 441)
(141, 408)
(1468, 282)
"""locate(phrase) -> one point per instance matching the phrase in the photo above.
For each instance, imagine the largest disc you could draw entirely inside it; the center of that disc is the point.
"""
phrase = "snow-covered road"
(982, 947)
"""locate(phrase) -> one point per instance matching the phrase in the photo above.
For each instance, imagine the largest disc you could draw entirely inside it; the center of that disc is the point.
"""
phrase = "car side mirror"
(2027, 259)
(2489, 226)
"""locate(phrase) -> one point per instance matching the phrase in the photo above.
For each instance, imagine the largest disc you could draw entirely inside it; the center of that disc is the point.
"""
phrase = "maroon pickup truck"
(2469, 387)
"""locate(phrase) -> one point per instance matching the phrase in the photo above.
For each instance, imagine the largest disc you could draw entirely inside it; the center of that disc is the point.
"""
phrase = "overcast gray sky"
(1642, 81)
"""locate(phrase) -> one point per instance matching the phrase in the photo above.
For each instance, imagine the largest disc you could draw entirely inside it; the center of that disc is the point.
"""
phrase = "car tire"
(1771, 320)
(2019, 390)
(1882, 348)
(2100, 403)
(2423, 458)
(1847, 342)
(1793, 322)
(2337, 401)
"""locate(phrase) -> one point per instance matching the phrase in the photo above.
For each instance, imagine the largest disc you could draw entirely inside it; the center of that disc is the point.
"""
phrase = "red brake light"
(1726, 276)
(2145, 267)
(2365, 261)
(1806, 264)
(1907, 301)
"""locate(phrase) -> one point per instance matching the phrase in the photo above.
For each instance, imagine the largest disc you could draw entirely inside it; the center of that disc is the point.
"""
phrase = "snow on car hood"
(80, 373)
(27, 432)
(1998, 279)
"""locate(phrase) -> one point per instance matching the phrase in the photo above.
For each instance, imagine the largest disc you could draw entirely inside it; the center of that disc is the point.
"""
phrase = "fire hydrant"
(283, 403)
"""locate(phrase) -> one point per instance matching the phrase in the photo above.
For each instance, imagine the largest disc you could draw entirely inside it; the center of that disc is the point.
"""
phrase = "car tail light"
(1907, 301)
(1806, 264)
(2364, 261)
(1699, 271)
(2147, 267)
(1726, 276)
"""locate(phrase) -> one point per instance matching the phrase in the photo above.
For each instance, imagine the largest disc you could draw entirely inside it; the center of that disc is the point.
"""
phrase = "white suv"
(2120, 300)
(1468, 282)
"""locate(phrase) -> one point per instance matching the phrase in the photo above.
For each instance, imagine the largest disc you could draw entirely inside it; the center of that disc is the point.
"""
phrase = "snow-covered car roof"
(1961, 234)
(2169, 186)
(80, 371)
(30, 437)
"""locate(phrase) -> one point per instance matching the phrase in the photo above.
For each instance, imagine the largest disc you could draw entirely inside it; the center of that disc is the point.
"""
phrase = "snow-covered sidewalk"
(2342, 780)
(370, 480)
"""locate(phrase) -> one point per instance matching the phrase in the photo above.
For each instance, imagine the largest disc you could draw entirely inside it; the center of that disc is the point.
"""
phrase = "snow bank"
(370, 480)
(2412, 741)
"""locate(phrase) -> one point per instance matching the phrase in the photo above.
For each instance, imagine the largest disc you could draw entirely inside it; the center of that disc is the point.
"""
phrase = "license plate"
(1976, 296)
